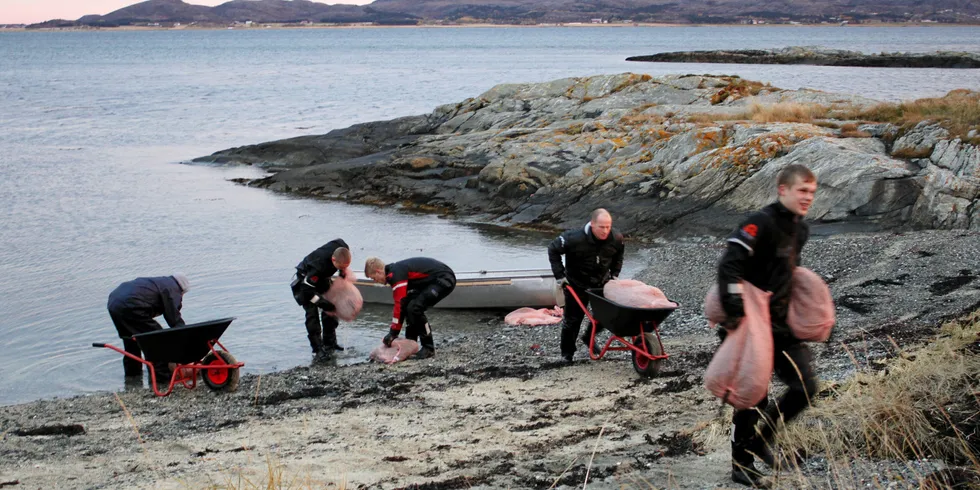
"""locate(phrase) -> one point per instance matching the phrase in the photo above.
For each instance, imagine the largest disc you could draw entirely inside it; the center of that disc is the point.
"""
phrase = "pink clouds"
(31, 11)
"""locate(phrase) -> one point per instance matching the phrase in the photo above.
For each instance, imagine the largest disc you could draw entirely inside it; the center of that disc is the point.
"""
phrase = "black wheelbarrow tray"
(640, 325)
(190, 349)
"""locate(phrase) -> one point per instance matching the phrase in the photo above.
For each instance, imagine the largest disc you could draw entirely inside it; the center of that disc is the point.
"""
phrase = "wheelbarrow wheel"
(644, 366)
(220, 379)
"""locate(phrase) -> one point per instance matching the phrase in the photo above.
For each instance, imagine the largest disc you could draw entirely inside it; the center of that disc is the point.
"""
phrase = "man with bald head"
(593, 256)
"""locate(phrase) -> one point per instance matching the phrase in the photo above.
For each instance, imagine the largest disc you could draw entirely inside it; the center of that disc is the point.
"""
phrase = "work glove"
(561, 283)
(392, 335)
(734, 310)
(323, 304)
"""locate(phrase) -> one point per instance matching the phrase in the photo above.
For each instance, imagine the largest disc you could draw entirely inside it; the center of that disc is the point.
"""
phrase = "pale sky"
(31, 11)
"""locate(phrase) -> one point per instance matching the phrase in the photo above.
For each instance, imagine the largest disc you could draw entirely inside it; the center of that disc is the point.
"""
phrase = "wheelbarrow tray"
(183, 345)
(624, 321)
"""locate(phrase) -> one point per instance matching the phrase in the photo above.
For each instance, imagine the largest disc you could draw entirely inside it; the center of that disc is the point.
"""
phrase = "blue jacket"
(149, 297)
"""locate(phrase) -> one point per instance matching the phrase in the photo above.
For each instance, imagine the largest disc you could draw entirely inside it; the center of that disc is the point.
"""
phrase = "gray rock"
(920, 141)
(813, 55)
(649, 149)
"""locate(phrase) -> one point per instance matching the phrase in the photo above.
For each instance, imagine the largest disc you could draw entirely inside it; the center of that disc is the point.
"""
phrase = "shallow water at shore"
(93, 124)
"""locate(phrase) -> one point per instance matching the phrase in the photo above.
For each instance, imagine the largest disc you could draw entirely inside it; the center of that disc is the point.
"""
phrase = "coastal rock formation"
(672, 154)
(801, 55)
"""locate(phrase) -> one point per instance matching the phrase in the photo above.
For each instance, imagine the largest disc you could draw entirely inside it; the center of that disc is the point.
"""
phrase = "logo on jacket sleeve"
(313, 279)
(750, 230)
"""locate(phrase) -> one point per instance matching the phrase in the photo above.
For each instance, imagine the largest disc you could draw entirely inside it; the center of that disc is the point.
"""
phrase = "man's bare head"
(341, 258)
(797, 186)
(374, 268)
(601, 223)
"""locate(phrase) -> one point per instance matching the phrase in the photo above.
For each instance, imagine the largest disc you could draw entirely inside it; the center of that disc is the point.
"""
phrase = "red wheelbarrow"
(642, 325)
(191, 348)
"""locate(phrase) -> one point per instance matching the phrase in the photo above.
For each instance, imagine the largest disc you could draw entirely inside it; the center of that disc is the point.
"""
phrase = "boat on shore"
(482, 290)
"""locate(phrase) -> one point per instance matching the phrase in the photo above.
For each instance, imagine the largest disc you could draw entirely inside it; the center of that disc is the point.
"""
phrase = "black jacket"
(413, 275)
(763, 251)
(589, 262)
(316, 268)
(149, 297)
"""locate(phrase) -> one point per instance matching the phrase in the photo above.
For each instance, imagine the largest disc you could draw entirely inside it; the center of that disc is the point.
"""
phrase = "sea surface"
(95, 128)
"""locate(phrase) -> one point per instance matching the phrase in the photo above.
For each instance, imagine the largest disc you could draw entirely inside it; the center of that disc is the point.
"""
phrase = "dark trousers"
(321, 328)
(794, 366)
(572, 320)
(129, 323)
(414, 306)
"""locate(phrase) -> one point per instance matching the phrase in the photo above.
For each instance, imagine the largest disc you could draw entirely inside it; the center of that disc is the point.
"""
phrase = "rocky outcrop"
(797, 55)
(673, 154)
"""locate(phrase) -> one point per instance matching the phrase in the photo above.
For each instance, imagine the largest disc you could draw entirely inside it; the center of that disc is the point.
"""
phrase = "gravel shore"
(494, 408)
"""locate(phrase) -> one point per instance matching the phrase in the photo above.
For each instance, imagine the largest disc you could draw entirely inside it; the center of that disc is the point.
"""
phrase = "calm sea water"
(93, 126)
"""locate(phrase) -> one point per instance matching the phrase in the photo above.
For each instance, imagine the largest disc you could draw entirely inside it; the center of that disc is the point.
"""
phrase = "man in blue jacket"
(133, 305)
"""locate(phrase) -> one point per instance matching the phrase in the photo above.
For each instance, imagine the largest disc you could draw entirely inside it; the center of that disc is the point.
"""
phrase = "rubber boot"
(428, 347)
(749, 476)
(131, 367)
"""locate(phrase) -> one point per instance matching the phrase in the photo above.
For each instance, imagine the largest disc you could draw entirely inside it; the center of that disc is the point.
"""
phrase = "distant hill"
(688, 11)
(539, 11)
(259, 11)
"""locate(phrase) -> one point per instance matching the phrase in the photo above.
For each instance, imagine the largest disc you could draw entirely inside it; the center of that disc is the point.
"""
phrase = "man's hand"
(734, 310)
(561, 283)
(392, 335)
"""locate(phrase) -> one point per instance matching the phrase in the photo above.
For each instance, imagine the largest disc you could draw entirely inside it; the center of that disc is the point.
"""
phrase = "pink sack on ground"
(628, 292)
(741, 368)
(345, 296)
(532, 317)
(811, 314)
(400, 350)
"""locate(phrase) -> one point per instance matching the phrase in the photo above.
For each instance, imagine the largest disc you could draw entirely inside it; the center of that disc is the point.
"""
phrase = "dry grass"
(787, 112)
(738, 88)
(923, 405)
(958, 112)
(274, 478)
(850, 130)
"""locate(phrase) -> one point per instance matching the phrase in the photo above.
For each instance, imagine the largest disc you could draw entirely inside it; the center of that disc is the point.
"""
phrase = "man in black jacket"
(763, 251)
(312, 281)
(417, 284)
(593, 256)
(133, 305)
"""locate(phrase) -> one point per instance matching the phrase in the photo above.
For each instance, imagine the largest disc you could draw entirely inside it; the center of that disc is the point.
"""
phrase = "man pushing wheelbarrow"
(593, 257)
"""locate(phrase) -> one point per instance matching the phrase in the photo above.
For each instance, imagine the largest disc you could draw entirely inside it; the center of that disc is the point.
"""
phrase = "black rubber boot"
(424, 353)
(316, 343)
(747, 475)
(323, 355)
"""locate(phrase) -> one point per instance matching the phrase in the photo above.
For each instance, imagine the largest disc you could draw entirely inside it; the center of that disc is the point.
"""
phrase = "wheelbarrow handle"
(98, 344)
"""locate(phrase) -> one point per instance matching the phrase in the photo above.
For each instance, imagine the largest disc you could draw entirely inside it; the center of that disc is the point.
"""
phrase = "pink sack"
(741, 368)
(345, 296)
(400, 350)
(811, 307)
(628, 292)
(532, 317)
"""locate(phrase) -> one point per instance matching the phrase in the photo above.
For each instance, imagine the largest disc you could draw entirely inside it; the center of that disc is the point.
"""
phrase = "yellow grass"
(958, 111)
(786, 112)
(923, 405)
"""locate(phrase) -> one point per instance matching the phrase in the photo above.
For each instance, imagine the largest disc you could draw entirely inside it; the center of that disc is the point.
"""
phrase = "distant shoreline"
(275, 26)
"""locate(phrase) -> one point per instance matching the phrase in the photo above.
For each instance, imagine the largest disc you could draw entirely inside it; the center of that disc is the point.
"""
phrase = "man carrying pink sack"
(764, 251)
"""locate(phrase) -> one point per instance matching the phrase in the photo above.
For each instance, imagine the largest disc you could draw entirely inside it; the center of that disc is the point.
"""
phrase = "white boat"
(483, 290)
